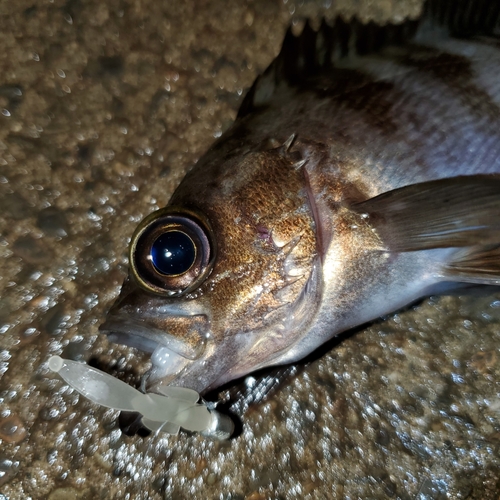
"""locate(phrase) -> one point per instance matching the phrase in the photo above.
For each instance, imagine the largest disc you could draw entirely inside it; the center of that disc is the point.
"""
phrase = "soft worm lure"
(175, 408)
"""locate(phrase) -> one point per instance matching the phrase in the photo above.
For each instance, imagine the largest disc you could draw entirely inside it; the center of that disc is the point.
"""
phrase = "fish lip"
(145, 337)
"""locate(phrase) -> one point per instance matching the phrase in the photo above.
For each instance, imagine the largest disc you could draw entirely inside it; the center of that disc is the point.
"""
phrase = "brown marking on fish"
(456, 72)
(358, 91)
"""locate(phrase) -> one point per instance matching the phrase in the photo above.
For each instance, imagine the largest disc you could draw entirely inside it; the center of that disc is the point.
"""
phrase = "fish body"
(360, 174)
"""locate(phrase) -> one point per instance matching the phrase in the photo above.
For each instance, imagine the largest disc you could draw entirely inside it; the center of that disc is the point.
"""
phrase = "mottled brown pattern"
(259, 206)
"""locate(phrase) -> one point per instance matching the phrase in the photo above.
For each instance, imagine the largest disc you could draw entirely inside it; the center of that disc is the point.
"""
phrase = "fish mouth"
(169, 353)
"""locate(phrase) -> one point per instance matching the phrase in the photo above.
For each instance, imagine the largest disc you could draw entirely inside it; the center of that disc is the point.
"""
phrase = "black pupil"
(173, 253)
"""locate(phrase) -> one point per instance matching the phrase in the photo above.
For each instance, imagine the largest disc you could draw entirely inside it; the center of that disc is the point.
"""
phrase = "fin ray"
(446, 213)
(479, 265)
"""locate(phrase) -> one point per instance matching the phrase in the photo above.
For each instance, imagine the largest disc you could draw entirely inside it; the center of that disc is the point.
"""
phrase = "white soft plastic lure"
(176, 407)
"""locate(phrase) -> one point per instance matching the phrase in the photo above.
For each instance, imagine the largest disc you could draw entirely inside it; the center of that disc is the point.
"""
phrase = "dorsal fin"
(317, 52)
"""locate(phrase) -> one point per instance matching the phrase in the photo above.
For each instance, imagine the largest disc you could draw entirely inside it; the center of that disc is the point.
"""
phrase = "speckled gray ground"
(104, 106)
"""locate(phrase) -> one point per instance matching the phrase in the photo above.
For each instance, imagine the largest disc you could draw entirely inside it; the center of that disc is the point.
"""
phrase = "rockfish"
(361, 174)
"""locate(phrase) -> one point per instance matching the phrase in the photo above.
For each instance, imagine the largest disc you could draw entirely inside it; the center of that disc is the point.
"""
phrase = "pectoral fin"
(446, 213)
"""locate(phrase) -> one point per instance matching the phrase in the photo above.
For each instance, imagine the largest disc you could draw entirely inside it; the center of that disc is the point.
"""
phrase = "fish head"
(225, 278)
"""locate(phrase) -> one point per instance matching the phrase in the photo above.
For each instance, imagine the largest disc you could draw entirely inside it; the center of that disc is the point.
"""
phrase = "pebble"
(31, 250)
(12, 429)
(52, 222)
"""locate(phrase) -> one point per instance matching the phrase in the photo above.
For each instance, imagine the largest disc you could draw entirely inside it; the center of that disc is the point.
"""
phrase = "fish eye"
(171, 252)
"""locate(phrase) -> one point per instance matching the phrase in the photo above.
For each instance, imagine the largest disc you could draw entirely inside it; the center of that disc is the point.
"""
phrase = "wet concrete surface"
(103, 108)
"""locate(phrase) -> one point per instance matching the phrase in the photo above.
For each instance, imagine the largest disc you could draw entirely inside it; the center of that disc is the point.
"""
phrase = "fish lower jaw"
(167, 363)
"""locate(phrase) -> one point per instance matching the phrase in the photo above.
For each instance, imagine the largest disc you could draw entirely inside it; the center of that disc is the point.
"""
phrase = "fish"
(361, 174)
